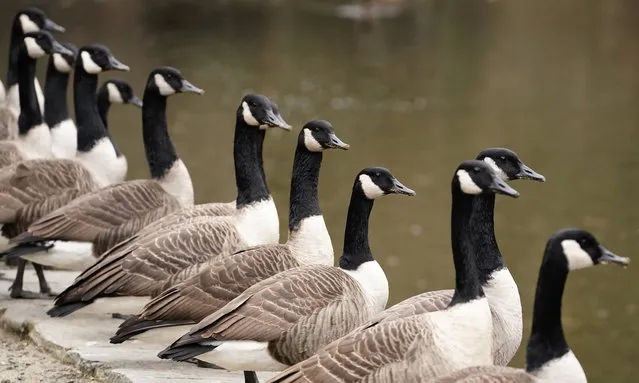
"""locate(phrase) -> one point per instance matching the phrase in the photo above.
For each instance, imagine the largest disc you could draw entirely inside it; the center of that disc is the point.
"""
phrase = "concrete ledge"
(82, 339)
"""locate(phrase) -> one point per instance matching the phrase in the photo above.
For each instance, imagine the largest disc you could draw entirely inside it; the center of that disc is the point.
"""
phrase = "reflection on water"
(555, 81)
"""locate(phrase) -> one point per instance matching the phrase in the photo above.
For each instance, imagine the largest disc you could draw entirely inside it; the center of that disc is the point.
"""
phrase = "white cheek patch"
(576, 256)
(163, 86)
(370, 188)
(88, 64)
(114, 94)
(61, 65)
(311, 143)
(28, 25)
(33, 49)
(248, 116)
(467, 184)
(499, 171)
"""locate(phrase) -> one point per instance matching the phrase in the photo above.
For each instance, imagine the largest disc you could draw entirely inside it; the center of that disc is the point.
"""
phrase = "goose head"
(319, 135)
(120, 92)
(508, 166)
(375, 182)
(41, 43)
(34, 20)
(168, 81)
(64, 62)
(258, 110)
(95, 59)
(477, 177)
(579, 249)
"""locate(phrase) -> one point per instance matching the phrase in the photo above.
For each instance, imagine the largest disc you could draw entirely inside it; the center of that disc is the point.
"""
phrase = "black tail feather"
(250, 377)
(26, 248)
(67, 308)
(136, 325)
(186, 352)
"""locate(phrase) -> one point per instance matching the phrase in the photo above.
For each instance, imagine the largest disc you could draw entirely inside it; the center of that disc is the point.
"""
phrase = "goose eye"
(503, 158)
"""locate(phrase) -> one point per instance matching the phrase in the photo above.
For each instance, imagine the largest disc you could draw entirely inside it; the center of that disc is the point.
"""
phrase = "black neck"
(14, 52)
(90, 126)
(356, 247)
(547, 341)
(249, 170)
(487, 254)
(104, 104)
(30, 114)
(304, 201)
(160, 151)
(56, 108)
(467, 285)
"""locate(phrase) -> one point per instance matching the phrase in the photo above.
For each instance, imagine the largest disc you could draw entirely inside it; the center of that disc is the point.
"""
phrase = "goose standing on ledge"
(34, 138)
(224, 278)
(140, 265)
(288, 317)
(94, 164)
(548, 358)
(25, 21)
(498, 284)
(114, 213)
(444, 341)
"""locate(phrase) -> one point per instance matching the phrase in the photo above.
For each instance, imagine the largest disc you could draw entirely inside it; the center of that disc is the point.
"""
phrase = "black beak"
(610, 257)
(399, 188)
(49, 25)
(500, 187)
(274, 120)
(115, 64)
(336, 143)
(527, 173)
(135, 100)
(188, 87)
(59, 48)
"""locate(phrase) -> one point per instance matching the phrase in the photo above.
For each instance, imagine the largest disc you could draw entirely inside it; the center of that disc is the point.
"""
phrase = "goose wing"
(204, 210)
(32, 189)
(361, 355)
(220, 281)
(139, 265)
(118, 211)
(283, 308)
(418, 304)
(486, 374)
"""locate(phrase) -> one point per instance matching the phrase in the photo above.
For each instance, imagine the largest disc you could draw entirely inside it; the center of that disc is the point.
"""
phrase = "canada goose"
(25, 21)
(141, 264)
(548, 358)
(286, 318)
(498, 284)
(457, 337)
(223, 278)
(115, 91)
(34, 138)
(56, 111)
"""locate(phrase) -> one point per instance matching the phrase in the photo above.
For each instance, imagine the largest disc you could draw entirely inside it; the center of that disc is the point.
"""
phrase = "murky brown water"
(558, 82)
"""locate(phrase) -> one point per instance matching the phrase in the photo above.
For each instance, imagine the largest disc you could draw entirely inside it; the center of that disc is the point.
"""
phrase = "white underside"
(565, 369)
(162, 336)
(13, 96)
(36, 143)
(373, 282)
(177, 182)
(64, 139)
(74, 256)
(258, 223)
(505, 306)
(243, 355)
(103, 163)
(108, 306)
(310, 243)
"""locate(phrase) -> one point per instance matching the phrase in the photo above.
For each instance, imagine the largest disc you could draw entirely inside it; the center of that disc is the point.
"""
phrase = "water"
(555, 81)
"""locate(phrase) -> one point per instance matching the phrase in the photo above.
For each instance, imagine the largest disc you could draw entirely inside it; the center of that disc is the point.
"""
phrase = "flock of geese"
(224, 293)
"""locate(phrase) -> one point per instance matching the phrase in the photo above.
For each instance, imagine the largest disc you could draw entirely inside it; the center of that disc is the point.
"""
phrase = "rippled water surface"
(556, 81)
